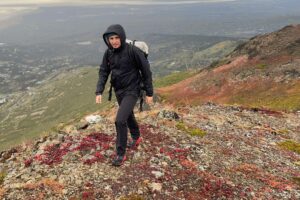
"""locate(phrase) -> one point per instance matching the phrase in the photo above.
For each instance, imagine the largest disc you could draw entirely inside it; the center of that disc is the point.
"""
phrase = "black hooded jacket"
(124, 68)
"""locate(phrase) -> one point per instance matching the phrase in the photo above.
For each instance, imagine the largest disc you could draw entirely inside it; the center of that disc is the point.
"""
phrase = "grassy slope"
(68, 96)
(173, 78)
(255, 92)
(284, 97)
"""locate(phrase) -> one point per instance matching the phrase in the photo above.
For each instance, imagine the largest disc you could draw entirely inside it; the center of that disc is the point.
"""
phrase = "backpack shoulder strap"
(108, 55)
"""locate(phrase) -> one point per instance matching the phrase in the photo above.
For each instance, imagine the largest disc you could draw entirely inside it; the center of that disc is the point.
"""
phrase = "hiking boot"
(134, 143)
(119, 160)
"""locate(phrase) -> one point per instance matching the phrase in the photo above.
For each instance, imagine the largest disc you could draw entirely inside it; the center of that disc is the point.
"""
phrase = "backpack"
(141, 45)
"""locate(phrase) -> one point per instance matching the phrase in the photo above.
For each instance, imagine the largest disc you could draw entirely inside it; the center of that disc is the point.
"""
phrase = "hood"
(117, 29)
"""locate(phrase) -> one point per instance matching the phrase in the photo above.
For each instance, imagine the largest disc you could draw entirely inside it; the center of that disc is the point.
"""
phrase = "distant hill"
(170, 53)
(262, 72)
(60, 100)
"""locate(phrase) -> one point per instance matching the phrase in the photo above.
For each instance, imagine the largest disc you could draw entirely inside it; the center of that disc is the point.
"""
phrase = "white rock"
(157, 174)
(155, 187)
(93, 119)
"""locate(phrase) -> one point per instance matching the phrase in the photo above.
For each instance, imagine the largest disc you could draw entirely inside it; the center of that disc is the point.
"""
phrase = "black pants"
(125, 119)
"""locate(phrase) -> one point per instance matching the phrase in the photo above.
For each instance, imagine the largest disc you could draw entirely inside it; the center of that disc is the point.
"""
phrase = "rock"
(140, 191)
(155, 187)
(165, 114)
(164, 163)
(53, 177)
(60, 137)
(70, 129)
(65, 191)
(93, 119)
(82, 125)
(78, 182)
(25, 177)
(108, 187)
(158, 174)
(16, 185)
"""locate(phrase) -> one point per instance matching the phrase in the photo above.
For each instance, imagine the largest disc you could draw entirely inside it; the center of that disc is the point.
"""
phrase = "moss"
(290, 145)
(192, 131)
(181, 126)
(132, 197)
(2, 177)
(261, 66)
(197, 132)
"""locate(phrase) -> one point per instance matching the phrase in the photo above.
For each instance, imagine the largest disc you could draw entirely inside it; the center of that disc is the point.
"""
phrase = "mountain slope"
(67, 96)
(263, 72)
(211, 152)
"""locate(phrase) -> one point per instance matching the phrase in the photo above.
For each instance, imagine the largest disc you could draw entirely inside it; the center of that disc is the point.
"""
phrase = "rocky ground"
(203, 152)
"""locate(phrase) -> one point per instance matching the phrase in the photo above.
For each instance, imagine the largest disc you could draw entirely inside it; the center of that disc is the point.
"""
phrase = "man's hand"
(98, 98)
(149, 100)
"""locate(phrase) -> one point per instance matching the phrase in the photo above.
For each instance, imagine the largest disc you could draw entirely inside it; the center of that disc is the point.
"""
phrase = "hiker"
(127, 73)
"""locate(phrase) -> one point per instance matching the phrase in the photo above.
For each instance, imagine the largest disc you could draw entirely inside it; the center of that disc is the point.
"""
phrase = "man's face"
(115, 41)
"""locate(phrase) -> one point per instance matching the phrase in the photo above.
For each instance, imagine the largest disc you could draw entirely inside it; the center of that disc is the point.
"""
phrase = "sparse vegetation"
(2, 177)
(189, 130)
(173, 78)
(290, 145)
(280, 97)
(261, 66)
(219, 63)
(132, 197)
(296, 180)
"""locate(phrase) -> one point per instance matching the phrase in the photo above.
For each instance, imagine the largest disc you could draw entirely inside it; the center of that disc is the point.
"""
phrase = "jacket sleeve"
(144, 67)
(104, 72)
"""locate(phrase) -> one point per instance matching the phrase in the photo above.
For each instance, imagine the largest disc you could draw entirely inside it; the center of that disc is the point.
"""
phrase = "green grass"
(274, 97)
(67, 97)
(290, 145)
(173, 78)
(192, 131)
(261, 66)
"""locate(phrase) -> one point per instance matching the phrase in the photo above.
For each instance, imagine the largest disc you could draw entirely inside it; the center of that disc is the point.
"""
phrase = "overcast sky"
(82, 2)
(12, 8)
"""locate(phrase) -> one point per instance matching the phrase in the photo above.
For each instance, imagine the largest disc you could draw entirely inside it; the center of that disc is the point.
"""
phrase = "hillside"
(263, 72)
(60, 100)
(170, 53)
(210, 152)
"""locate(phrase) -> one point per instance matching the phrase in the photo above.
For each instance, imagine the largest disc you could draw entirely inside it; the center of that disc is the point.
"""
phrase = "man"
(127, 72)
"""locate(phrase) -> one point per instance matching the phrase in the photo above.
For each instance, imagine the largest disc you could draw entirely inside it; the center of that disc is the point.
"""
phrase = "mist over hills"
(237, 18)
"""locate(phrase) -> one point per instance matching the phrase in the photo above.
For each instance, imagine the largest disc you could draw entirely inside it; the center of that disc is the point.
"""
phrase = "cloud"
(89, 2)
(12, 8)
